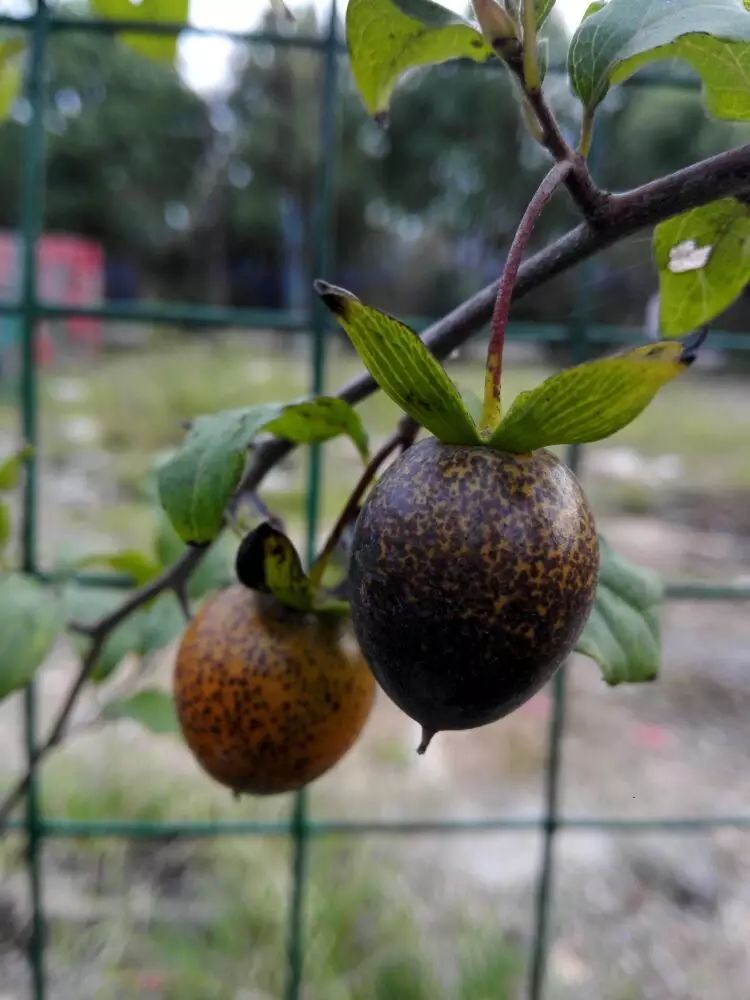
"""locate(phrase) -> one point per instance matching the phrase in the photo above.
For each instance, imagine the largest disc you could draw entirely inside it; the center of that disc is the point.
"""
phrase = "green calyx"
(585, 403)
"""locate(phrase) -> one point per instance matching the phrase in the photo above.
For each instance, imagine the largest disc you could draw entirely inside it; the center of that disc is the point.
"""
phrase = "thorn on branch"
(181, 593)
(79, 628)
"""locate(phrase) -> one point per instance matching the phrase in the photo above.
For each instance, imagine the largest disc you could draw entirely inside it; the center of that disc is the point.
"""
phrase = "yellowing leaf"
(402, 366)
(319, 419)
(267, 561)
(5, 525)
(388, 37)
(10, 468)
(622, 633)
(162, 47)
(11, 73)
(619, 37)
(703, 258)
(590, 401)
(139, 566)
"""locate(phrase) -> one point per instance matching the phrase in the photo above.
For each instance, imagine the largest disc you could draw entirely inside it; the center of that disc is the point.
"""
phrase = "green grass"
(363, 935)
(208, 919)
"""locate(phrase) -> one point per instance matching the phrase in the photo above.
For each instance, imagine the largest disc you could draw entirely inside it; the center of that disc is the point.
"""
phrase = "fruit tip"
(427, 735)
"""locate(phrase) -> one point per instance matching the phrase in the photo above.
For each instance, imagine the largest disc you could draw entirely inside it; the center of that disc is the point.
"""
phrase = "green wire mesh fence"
(30, 309)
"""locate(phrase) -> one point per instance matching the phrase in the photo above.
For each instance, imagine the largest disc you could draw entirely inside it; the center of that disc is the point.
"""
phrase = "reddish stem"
(403, 437)
(555, 177)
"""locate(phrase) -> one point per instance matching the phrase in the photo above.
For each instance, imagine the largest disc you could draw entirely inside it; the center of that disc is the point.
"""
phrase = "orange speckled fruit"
(268, 698)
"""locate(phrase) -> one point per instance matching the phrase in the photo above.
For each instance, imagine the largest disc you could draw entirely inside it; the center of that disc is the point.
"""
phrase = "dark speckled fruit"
(268, 699)
(473, 573)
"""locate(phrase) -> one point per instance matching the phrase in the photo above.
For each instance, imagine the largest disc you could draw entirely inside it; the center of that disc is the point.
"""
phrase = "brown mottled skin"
(268, 699)
(473, 572)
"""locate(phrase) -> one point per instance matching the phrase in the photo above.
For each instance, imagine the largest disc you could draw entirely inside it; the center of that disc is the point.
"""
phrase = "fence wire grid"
(299, 828)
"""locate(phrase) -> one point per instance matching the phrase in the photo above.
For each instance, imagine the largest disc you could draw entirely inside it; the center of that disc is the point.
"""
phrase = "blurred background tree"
(209, 196)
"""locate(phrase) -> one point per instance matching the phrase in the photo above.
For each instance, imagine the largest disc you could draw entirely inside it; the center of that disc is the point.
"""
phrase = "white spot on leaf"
(688, 256)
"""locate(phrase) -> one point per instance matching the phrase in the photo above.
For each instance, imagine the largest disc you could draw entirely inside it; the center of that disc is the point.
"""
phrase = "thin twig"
(491, 409)
(590, 199)
(402, 438)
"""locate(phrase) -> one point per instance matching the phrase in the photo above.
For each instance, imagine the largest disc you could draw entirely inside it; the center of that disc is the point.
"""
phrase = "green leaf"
(590, 401)
(267, 561)
(161, 623)
(144, 632)
(12, 52)
(85, 606)
(123, 641)
(621, 36)
(160, 47)
(703, 258)
(10, 468)
(130, 562)
(402, 366)
(30, 621)
(196, 484)
(543, 10)
(622, 633)
(5, 525)
(154, 710)
(318, 420)
(388, 37)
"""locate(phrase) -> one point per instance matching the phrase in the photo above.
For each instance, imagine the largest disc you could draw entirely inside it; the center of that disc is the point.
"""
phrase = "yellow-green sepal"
(590, 401)
(402, 366)
(268, 562)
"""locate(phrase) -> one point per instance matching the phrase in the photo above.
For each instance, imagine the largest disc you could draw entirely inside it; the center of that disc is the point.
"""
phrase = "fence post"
(31, 221)
(320, 259)
(579, 344)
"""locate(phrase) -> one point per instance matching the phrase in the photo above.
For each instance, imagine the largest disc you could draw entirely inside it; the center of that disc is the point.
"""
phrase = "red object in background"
(70, 273)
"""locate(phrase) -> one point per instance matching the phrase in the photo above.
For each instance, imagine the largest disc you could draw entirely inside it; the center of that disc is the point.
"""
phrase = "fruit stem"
(492, 409)
(427, 735)
(402, 437)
